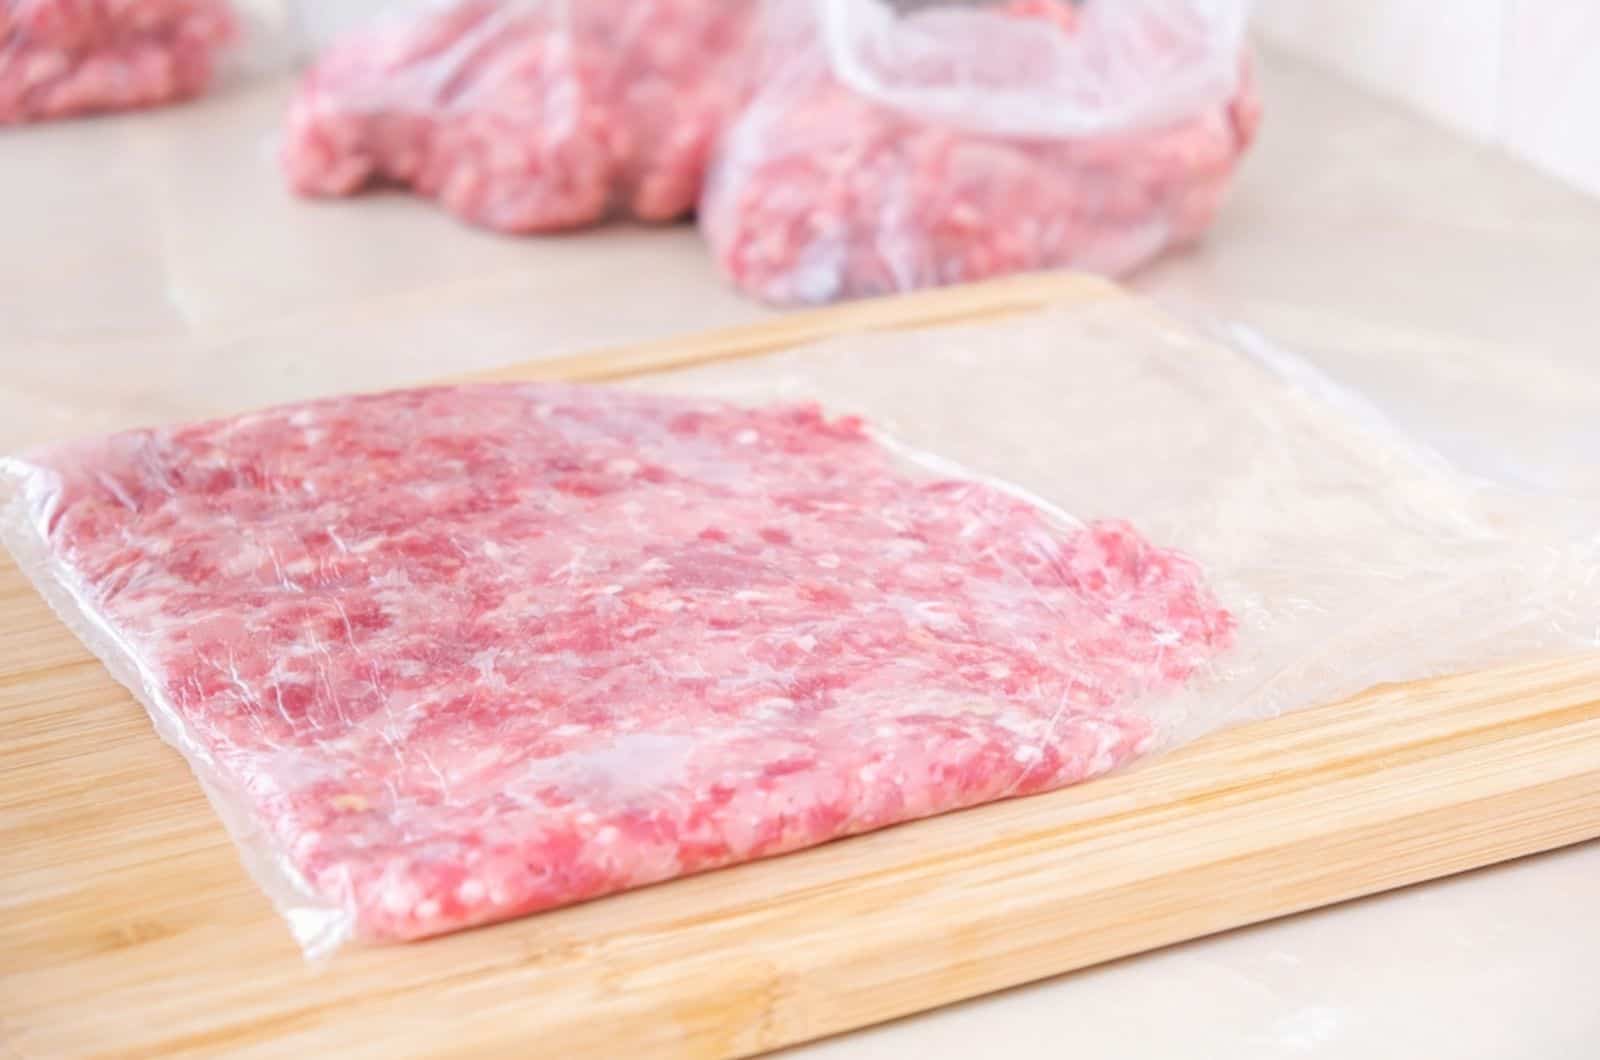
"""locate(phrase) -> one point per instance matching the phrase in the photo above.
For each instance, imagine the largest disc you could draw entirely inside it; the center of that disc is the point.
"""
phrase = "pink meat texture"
(60, 58)
(821, 192)
(466, 653)
(526, 116)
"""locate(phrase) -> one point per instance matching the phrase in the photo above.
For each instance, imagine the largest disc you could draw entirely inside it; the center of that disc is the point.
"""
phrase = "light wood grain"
(128, 929)
(945, 305)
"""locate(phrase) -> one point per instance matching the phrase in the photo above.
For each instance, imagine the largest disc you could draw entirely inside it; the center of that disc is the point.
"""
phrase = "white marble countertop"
(152, 268)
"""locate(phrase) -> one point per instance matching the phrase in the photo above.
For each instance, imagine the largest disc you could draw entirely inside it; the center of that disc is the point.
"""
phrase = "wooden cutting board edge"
(914, 309)
(130, 931)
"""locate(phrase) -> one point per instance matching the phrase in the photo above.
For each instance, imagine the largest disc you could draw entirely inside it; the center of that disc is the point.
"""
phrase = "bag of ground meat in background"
(895, 149)
(63, 58)
(524, 115)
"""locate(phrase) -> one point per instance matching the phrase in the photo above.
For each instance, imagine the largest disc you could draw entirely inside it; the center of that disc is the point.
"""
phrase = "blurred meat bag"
(63, 58)
(891, 149)
(525, 115)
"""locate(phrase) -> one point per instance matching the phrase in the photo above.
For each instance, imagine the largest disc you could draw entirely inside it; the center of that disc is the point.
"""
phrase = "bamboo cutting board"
(128, 928)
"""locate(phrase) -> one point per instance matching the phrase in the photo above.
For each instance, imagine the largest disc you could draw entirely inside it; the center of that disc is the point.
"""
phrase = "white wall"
(1523, 74)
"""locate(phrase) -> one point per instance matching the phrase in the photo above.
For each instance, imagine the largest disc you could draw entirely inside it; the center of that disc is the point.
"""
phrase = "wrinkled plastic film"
(995, 67)
(1351, 554)
(445, 657)
(32, 494)
(1550, 445)
(522, 115)
(888, 150)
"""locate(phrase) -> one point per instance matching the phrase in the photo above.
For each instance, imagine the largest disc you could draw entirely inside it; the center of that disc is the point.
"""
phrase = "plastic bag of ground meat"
(525, 115)
(64, 58)
(889, 150)
(442, 657)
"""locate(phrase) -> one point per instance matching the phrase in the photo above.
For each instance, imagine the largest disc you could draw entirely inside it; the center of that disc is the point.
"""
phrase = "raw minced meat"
(458, 654)
(524, 115)
(67, 57)
(821, 191)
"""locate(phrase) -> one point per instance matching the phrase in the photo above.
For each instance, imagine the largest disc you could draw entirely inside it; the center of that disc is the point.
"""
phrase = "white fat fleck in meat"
(300, 567)
(397, 900)
(972, 528)
(905, 548)
(484, 663)
(575, 567)
(930, 614)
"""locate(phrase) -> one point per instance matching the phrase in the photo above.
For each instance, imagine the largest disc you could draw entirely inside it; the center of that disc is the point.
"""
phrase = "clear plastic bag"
(1526, 419)
(64, 58)
(444, 657)
(892, 150)
(525, 115)
(1351, 553)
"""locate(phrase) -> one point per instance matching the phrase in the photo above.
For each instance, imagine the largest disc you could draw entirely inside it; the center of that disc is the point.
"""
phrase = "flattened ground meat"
(466, 653)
